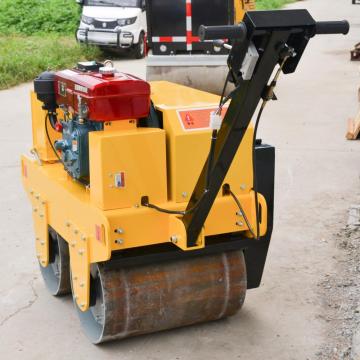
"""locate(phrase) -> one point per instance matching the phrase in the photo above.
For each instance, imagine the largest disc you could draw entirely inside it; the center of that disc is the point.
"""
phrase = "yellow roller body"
(162, 164)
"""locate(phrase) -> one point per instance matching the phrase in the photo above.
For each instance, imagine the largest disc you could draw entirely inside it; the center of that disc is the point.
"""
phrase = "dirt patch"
(340, 292)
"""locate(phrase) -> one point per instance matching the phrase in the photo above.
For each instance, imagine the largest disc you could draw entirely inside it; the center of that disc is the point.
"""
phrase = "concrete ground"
(316, 179)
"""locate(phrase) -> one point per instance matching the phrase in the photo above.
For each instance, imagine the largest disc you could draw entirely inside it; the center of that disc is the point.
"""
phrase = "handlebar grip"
(238, 32)
(332, 27)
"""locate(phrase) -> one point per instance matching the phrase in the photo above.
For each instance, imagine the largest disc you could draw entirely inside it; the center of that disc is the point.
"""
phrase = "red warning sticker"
(197, 119)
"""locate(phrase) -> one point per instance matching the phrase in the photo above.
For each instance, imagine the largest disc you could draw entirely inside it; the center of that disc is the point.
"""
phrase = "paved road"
(317, 174)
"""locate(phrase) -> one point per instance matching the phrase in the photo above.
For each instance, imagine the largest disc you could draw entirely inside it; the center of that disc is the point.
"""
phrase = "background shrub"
(39, 16)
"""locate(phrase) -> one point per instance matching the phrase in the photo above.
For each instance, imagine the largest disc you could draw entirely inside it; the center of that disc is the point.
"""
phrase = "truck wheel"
(140, 47)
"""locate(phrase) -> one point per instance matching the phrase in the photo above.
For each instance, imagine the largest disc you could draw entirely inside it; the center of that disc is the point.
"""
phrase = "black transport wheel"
(57, 274)
(140, 47)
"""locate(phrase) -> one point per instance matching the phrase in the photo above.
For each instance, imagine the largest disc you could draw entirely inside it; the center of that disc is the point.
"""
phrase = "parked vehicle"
(114, 23)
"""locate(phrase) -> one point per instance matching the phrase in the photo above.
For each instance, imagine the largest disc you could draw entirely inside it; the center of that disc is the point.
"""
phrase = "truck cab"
(113, 23)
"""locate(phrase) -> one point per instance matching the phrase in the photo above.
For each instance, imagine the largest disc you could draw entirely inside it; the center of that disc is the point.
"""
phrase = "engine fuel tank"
(102, 97)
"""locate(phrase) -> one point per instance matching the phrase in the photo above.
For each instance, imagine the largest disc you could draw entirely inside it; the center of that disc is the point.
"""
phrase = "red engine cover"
(107, 98)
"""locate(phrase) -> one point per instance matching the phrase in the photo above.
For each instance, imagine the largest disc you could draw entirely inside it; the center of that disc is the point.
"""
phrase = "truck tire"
(140, 47)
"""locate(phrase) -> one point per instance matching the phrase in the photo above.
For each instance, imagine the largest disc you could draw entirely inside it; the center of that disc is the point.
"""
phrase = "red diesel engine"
(88, 95)
(103, 94)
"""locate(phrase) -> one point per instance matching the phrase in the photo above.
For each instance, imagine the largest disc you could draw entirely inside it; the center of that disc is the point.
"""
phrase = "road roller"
(153, 202)
(175, 51)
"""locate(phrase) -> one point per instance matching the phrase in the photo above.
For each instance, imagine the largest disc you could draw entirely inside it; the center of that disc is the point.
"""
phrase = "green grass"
(38, 16)
(22, 58)
(271, 4)
(36, 35)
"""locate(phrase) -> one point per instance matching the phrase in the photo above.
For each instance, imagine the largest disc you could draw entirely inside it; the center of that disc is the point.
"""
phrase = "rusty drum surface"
(150, 298)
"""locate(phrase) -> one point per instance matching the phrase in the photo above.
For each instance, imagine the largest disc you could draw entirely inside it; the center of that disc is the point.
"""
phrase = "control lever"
(332, 27)
(237, 32)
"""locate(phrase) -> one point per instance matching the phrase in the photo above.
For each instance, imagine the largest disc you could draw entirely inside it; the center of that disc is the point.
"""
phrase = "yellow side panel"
(79, 249)
(135, 227)
(65, 206)
(40, 141)
(69, 210)
(167, 95)
(40, 218)
(188, 149)
(188, 153)
(126, 165)
(225, 217)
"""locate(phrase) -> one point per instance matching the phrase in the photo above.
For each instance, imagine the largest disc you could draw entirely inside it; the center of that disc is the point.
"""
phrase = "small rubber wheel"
(57, 274)
(140, 47)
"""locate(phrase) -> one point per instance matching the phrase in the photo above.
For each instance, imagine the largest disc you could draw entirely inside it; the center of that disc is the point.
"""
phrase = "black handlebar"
(332, 27)
(238, 32)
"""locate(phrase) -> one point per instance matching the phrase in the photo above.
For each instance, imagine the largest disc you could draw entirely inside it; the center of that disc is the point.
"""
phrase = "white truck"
(114, 23)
